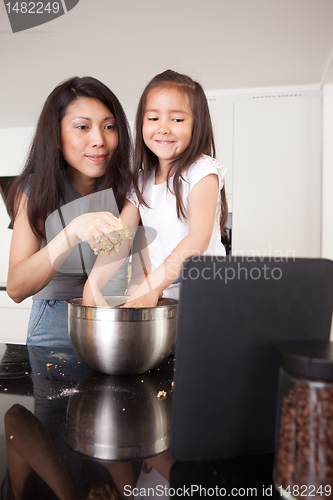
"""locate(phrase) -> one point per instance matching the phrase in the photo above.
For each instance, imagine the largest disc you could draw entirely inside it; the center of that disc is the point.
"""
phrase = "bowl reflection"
(120, 418)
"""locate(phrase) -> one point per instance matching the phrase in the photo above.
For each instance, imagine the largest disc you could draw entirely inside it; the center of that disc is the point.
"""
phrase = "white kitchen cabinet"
(270, 141)
(5, 238)
(14, 319)
(221, 110)
(14, 143)
(277, 175)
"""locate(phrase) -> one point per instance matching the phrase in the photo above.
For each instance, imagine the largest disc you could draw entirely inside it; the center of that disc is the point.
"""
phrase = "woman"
(78, 165)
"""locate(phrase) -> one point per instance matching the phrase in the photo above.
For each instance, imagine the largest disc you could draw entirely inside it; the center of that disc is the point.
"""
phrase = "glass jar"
(304, 439)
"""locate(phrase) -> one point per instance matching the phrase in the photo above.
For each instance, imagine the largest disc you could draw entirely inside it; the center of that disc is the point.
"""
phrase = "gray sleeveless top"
(68, 281)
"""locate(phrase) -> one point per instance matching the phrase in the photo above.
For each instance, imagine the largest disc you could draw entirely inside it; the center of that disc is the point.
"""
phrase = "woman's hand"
(92, 296)
(87, 226)
(104, 232)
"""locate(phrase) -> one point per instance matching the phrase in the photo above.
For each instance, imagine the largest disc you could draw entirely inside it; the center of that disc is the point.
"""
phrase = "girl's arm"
(31, 268)
(141, 265)
(122, 474)
(105, 267)
(202, 209)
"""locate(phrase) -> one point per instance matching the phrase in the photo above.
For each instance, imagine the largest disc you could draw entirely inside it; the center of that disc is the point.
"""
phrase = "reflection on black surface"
(15, 370)
(47, 391)
(36, 470)
(33, 461)
(40, 464)
(120, 418)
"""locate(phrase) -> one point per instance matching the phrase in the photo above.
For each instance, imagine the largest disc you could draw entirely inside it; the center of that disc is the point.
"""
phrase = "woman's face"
(89, 138)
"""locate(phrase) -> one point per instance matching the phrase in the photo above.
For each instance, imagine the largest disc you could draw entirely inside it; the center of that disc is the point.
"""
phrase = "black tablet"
(232, 313)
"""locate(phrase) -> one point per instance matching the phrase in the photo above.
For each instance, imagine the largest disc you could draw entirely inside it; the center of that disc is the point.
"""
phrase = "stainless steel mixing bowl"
(122, 341)
(119, 418)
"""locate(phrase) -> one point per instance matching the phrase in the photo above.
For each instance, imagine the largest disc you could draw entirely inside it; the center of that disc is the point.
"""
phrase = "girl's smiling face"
(167, 123)
(89, 138)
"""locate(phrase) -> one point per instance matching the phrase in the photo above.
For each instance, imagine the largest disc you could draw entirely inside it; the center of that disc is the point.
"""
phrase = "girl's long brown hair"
(202, 141)
(46, 161)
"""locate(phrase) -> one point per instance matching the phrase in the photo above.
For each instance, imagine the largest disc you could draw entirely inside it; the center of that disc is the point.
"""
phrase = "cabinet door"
(5, 238)
(221, 110)
(277, 176)
(14, 319)
(14, 144)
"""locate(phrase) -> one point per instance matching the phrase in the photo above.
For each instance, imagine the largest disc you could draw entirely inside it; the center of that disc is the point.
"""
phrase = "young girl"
(178, 187)
(78, 164)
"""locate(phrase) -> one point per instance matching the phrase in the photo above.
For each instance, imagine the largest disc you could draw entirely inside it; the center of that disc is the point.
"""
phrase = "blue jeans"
(48, 324)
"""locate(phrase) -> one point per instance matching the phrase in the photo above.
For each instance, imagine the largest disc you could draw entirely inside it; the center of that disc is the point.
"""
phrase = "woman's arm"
(28, 446)
(31, 268)
(202, 209)
(105, 266)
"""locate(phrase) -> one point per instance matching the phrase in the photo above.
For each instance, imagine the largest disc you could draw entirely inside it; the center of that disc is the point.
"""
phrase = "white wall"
(327, 173)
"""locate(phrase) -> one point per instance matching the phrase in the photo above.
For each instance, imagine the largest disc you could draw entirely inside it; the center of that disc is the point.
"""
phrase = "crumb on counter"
(105, 493)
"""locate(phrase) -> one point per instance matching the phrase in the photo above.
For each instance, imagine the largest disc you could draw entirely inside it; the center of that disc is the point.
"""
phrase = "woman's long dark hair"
(202, 141)
(46, 161)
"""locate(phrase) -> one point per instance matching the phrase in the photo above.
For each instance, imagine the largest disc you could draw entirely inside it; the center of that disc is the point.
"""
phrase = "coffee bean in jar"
(304, 442)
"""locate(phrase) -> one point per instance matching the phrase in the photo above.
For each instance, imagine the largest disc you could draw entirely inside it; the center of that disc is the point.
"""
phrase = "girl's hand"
(149, 299)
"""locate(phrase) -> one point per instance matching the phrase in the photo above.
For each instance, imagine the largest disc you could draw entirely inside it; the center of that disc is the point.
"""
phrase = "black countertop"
(103, 427)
